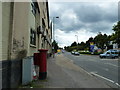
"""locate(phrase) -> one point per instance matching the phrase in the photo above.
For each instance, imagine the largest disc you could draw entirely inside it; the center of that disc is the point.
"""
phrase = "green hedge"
(95, 53)
(85, 52)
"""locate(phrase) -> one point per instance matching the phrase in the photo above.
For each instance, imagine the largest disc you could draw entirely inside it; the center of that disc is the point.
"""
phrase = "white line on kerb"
(79, 66)
(103, 77)
(117, 84)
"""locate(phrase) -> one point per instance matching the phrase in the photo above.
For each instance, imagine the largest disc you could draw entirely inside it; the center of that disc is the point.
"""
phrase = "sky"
(84, 19)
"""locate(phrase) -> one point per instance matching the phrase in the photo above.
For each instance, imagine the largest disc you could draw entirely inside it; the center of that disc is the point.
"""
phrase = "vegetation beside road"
(89, 53)
(35, 84)
(100, 40)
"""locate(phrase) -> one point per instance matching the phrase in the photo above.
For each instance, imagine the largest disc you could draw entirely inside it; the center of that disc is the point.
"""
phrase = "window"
(32, 37)
(43, 28)
(108, 52)
(33, 8)
(43, 25)
(113, 52)
(116, 53)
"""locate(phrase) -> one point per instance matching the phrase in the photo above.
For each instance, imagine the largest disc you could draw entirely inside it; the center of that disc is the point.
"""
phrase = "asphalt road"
(104, 68)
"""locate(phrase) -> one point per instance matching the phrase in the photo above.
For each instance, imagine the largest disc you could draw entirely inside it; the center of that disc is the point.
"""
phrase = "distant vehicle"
(110, 54)
(63, 51)
(72, 52)
(76, 53)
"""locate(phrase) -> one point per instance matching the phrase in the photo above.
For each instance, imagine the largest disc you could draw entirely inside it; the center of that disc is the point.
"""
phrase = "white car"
(76, 53)
(110, 54)
(72, 52)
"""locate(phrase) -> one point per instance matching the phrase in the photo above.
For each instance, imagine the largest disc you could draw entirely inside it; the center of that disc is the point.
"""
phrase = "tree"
(88, 42)
(72, 47)
(116, 35)
(101, 40)
(73, 44)
(81, 46)
(55, 45)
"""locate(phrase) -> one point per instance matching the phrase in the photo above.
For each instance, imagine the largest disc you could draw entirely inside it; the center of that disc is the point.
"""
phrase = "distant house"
(115, 46)
(112, 45)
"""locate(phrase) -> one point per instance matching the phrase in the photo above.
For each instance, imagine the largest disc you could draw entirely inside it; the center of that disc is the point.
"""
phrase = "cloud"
(96, 12)
(65, 39)
(87, 17)
(84, 0)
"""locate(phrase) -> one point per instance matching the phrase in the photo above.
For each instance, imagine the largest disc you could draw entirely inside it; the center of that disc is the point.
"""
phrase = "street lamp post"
(77, 41)
(54, 37)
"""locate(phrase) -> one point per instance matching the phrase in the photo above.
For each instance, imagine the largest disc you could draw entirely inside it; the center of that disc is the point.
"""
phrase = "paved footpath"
(63, 73)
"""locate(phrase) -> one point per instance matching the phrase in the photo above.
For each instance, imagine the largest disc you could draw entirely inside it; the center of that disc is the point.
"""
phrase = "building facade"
(25, 29)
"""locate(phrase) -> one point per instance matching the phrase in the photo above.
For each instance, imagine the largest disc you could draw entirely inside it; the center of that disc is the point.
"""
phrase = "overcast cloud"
(84, 19)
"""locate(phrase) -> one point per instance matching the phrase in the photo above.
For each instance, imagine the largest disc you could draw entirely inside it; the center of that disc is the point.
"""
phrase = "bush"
(85, 52)
(95, 53)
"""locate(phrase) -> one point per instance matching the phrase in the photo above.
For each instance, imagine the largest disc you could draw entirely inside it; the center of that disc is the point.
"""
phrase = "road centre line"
(111, 64)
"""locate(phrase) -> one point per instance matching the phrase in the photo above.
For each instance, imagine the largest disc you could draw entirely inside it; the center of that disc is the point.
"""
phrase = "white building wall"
(20, 30)
(31, 48)
(0, 44)
(0, 31)
(5, 29)
(115, 46)
(23, 20)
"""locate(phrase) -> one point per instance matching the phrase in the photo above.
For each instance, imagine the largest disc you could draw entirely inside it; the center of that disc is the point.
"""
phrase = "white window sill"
(31, 45)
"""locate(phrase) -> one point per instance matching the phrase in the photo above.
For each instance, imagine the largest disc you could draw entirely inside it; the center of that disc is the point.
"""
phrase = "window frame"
(33, 8)
(32, 37)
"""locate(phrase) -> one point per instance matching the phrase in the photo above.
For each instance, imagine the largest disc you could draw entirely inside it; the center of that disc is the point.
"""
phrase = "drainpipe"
(10, 41)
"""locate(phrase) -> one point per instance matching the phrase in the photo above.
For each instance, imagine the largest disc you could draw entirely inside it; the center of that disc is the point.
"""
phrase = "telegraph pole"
(53, 47)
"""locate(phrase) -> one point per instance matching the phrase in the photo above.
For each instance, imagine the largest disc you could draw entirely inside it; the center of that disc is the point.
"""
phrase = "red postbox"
(42, 63)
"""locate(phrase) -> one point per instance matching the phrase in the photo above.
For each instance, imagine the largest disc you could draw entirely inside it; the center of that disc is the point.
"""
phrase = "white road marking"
(93, 72)
(103, 77)
(80, 67)
(112, 64)
(85, 71)
(110, 59)
(117, 84)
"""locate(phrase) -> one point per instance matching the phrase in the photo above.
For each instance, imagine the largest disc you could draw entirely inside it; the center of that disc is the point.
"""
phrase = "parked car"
(110, 54)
